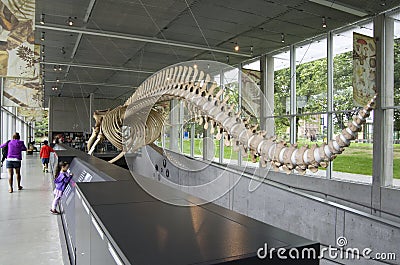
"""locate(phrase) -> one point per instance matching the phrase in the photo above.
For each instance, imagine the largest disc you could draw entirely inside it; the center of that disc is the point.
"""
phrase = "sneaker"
(46, 171)
(54, 211)
(20, 187)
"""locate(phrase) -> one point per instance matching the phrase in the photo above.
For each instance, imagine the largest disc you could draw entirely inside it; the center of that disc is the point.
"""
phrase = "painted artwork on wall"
(16, 38)
(364, 69)
(19, 56)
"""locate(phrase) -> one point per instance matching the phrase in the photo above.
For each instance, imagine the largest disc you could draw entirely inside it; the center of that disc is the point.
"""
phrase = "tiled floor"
(29, 233)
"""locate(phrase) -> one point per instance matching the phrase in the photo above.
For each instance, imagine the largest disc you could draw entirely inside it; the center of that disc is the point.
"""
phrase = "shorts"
(13, 164)
(45, 160)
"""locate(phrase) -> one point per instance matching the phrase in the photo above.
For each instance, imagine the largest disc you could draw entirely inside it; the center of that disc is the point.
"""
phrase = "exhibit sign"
(364, 69)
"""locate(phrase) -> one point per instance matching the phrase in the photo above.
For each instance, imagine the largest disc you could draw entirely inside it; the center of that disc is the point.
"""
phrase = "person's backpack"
(4, 152)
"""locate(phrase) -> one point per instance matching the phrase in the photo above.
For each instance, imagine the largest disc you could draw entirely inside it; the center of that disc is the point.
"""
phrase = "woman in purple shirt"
(14, 157)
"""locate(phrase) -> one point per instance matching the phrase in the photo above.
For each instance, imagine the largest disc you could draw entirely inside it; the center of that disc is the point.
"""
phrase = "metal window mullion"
(293, 103)
(329, 96)
(192, 132)
(2, 123)
(239, 107)
(221, 141)
(181, 114)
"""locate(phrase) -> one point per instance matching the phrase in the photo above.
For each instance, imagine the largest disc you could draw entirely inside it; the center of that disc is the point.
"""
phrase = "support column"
(50, 117)
(293, 103)
(174, 130)
(382, 174)
(13, 120)
(329, 96)
(91, 110)
(270, 91)
(208, 145)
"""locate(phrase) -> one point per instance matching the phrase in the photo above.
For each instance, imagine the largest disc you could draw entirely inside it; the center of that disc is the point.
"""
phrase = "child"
(61, 181)
(45, 155)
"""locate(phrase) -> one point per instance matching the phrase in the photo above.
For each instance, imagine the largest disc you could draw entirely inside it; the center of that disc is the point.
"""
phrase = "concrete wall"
(296, 211)
(72, 114)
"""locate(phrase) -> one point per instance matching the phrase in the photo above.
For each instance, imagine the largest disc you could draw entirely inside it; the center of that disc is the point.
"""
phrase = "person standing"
(45, 155)
(63, 177)
(14, 157)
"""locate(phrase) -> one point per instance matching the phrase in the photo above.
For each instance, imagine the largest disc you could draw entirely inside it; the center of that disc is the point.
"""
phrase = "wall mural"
(364, 69)
(19, 56)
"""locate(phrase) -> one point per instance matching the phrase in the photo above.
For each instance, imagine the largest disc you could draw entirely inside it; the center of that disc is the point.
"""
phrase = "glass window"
(281, 83)
(355, 163)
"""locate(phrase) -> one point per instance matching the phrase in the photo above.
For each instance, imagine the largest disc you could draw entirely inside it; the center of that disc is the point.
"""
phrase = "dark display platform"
(112, 220)
(147, 231)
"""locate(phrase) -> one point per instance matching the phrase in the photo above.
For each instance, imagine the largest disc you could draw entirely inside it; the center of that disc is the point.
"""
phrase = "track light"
(42, 19)
(236, 47)
(59, 68)
(282, 37)
(70, 22)
(57, 80)
(62, 50)
(251, 50)
(195, 66)
(54, 88)
(42, 36)
(323, 22)
(227, 59)
(42, 49)
(55, 68)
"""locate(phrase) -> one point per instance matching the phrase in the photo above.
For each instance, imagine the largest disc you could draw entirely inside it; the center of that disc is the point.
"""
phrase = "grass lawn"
(355, 159)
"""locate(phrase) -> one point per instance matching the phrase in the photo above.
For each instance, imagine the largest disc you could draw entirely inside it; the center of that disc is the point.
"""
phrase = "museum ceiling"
(112, 46)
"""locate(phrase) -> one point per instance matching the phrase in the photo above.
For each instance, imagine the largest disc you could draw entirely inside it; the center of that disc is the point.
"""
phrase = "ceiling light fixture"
(282, 37)
(227, 59)
(195, 66)
(62, 50)
(323, 22)
(236, 48)
(59, 68)
(70, 22)
(42, 49)
(340, 7)
(57, 80)
(42, 36)
(55, 68)
(251, 50)
(42, 19)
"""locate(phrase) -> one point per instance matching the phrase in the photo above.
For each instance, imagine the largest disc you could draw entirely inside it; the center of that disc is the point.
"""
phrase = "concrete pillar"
(267, 100)
(270, 91)
(382, 174)
(50, 123)
(174, 129)
(91, 110)
(13, 120)
(208, 145)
